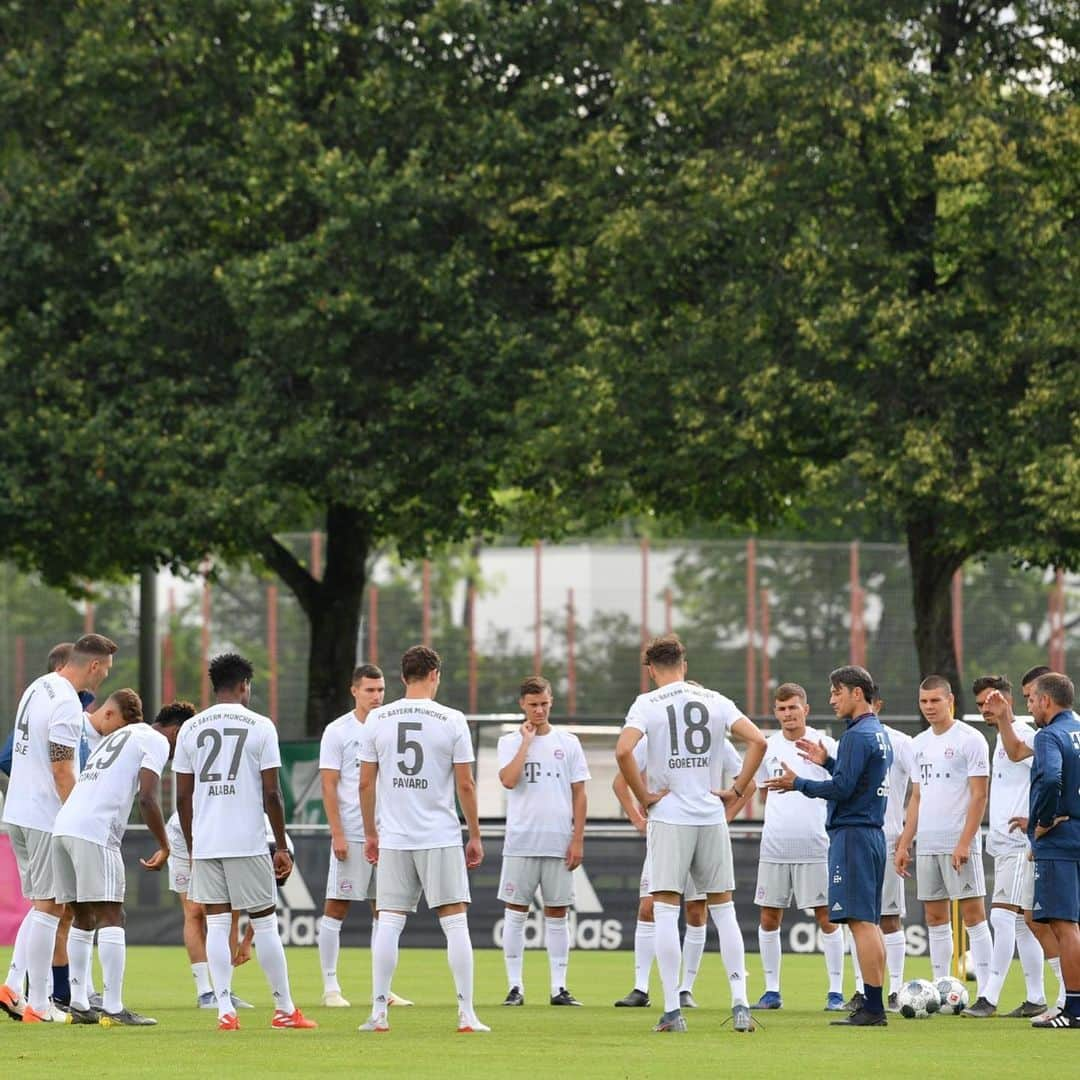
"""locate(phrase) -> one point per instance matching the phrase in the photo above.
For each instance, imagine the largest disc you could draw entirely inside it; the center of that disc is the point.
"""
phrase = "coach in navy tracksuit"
(857, 794)
(1054, 829)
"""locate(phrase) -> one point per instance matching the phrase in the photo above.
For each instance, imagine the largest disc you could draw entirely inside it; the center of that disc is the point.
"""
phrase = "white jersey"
(794, 829)
(732, 759)
(339, 750)
(227, 747)
(99, 805)
(1009, 788)
(686, 726)
(416, 743)
(49, 712)
(943, 766)
(899, 774)
(539, 808)
(177, 843)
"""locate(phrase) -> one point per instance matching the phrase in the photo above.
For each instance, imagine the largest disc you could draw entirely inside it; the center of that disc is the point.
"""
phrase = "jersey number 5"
(697, 736)
(405, 744)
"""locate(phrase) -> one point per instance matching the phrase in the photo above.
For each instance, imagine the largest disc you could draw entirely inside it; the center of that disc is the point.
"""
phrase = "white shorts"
(439, 873)
(33, 853)
(87, 873)
(179, 873)
(522, 875)
(679, 852)
(1014, 880)
(690, 891)
(351, 878)
(777, 883)
(893, 889)
(937, 880)
(245, 883)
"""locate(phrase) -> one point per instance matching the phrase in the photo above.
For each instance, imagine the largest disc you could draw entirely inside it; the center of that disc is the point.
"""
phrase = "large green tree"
(837, 264)
(271, 264)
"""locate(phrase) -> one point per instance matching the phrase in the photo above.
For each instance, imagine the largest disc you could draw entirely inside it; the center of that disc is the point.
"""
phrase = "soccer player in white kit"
(226, 765)
(350, 876)
(48, 727)
(687, 832)
(414, 753)
(1014, 872)
(948, 799)
(88, 866)
(793, 860)
(544, 772)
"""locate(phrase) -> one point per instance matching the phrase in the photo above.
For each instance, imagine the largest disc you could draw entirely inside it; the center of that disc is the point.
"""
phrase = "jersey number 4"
(696, 734)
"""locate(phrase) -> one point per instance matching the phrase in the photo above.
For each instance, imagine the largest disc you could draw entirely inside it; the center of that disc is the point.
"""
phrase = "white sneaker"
(467, 1023)
(375, 1022)
(332, 999)
(56, 1014)
(1054, 1010)
(396, 999)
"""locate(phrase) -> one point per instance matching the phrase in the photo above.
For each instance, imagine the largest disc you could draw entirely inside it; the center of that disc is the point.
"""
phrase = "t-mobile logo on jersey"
(532, 771)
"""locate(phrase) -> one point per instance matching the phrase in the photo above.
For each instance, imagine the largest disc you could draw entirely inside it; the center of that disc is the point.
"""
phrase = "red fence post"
(958, 619)
(425, 600)
(316, 554)
(644, 608)
(765, 630)
(168, 659)
(373, 624)
(667, 610)
(88, 617)
(205, 645)
(857, 632)
(20, 669)
(1056, 611)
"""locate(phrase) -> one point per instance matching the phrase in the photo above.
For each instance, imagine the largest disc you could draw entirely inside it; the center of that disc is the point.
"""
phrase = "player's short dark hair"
(787, 690)
(853, 677)
(534, 684)
(665, 651)
(936, 682)
(1058, 688)
(991, 682)
(92, 647)
(419, 662)
(366, 671)
(174, 714)
(230, 670)
(130, 705)
(1033, 673)
(59, 655)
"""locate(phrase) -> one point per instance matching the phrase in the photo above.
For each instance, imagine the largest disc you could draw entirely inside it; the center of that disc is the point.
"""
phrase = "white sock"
(459, 955)
(693, 946)
(90, 980)
(833, 946)
(982, 954)
(557, 937)
(856, 969)
(732, 950)
(1055, 967)
(941, 948)
(39, 950)
(384, 958)
(895, 953)
(219, 960)
(1031, 960)
(329, 949)
(17, 970)
(80, 956)
(112, 951)
(769, 948)
(514, 948)
(1004, 923)
(644, 954)
(668, 953)
(201, 974)
(271, 956)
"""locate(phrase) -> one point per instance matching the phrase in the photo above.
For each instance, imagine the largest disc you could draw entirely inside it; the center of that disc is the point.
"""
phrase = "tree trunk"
(332, 606)
(931, 585)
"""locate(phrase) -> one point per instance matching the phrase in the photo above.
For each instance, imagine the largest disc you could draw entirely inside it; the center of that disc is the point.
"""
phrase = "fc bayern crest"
(559, 755)
(950, 752)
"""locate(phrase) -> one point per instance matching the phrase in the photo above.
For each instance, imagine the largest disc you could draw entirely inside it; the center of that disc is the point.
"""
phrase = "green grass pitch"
(534, 1041)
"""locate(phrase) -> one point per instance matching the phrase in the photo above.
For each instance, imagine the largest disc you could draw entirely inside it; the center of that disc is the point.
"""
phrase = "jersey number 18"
(696, 735)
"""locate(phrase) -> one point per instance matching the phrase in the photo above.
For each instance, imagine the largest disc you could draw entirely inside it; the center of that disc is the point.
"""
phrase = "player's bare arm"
(510, 773)
(62, 760)
(330, 779)
(150, 810)
(274, 805)
(630, 805)
(733, 809)
(978, 787)
(466, 793)
(624, 757)
(746, 730)
(369, 773)
(1015, 748)
(576, 851)
(902, 859)
(185, 790)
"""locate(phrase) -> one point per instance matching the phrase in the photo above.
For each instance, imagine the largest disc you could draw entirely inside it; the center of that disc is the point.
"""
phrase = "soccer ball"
(953, 994)
(918, 999)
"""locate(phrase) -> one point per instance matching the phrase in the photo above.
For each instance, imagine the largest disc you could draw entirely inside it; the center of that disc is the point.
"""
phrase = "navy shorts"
(1057, 890)
(856, 872)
